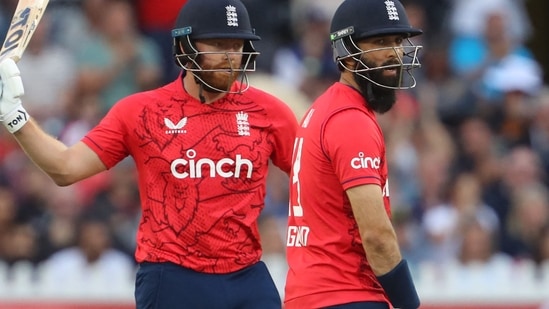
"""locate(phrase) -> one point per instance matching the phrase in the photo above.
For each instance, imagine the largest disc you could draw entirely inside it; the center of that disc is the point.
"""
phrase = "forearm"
(382, 251)
(392, 271)
(48, 153)
(381, 246)
(63, 164)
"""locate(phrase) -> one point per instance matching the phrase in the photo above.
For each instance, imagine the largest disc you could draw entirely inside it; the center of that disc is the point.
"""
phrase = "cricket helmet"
(355, 20)
(212, 19)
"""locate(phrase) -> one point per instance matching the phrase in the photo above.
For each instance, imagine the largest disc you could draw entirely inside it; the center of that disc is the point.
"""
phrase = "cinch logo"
(365, 162)
(175, 128)
(226, 167)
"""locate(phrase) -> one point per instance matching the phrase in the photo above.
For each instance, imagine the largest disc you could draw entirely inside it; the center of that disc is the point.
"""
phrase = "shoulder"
(273, 106)
(345, 104)
(351, 120)
(137, 99)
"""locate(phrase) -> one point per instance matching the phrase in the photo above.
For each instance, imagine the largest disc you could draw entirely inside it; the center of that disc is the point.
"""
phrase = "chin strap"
(201, 93)
(200, 89)
(369, 93)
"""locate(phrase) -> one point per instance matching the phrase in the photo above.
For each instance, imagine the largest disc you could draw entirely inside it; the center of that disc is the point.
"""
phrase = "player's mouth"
(225, 70)
(390, 72)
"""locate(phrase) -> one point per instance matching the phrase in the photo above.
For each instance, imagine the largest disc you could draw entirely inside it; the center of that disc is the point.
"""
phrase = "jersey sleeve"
(284, 130)
(352, 141)
(107, 139)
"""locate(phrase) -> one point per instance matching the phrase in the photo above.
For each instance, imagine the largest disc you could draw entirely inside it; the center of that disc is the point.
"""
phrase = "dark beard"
(379, 99)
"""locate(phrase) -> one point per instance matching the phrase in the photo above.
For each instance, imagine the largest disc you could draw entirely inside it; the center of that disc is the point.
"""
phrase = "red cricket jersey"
(338, 146)
(202, 171)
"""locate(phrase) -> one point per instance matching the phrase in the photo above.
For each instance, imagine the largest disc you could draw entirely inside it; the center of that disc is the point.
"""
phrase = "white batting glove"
(12, 113)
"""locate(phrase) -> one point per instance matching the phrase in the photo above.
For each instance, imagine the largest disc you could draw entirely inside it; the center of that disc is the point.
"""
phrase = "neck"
(198, 91)
(348, 79)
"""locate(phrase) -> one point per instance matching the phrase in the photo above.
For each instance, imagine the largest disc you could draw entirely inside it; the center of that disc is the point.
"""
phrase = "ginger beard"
(219, 80)
(379, 99)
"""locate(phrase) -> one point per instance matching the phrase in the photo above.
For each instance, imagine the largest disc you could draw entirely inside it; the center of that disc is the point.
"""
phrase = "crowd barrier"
(517, 286)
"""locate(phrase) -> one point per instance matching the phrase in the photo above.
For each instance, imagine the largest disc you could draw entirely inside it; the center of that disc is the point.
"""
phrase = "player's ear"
(349, 62)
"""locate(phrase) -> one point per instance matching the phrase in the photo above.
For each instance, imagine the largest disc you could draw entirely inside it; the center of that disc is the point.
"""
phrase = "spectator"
(76, 21)
(539, 129)
(48, 94)
(118, 202)
(478, 244)
(118, 61)
(92, 256)
(444, 222)
(541, 249)
(156, 20)
(8, 213)
(481, 30)
(525, 223)
(57, 226)
(479, 150)
(272, 19)
(478, 264)
(272, 232)
(520, 168)
(306, 64)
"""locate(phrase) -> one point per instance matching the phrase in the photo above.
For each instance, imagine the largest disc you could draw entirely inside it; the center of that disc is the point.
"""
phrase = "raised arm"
(65, 165)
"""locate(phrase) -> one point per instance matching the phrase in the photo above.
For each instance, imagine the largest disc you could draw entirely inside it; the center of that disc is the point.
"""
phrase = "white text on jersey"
(298, 236)
(365, 162)
(225, 167)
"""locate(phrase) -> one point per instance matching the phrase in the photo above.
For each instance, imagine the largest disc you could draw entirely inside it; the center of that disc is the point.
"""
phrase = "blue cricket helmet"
(214, 19)
(370, 18)
(355, 20)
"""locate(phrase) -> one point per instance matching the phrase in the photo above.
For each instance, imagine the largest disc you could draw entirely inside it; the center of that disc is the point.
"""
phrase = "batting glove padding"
(12, 113)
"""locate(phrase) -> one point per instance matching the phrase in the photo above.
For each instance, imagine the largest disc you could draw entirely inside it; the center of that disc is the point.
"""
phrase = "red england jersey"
(201, 168)
(338, 146)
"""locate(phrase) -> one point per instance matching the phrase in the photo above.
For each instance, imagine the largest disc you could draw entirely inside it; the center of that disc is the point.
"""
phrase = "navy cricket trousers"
(170, 286)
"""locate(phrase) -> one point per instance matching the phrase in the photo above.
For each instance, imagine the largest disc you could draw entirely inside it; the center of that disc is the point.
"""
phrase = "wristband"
(16, 119)
(399, 287)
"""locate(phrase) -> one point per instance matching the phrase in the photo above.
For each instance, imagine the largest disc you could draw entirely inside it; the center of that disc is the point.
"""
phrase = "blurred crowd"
(468, 148)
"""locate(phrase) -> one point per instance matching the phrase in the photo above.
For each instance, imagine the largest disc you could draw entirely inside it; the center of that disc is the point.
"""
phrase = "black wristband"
(399, 287)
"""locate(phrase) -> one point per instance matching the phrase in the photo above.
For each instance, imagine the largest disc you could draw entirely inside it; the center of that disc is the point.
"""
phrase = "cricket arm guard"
(12, 113)
(399, 287)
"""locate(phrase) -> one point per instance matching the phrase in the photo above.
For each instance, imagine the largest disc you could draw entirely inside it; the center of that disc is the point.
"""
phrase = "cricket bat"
(23, 24)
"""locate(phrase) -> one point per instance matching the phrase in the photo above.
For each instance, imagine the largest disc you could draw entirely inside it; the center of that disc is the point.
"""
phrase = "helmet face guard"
(355, 20)
(218, 19)
(407, 56)
(188, 58)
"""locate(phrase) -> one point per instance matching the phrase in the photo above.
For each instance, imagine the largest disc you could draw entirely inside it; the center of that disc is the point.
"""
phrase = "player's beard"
(217, 81)
(379, 99)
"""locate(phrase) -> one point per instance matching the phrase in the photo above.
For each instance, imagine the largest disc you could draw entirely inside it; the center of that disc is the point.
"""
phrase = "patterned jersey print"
(202, 171)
